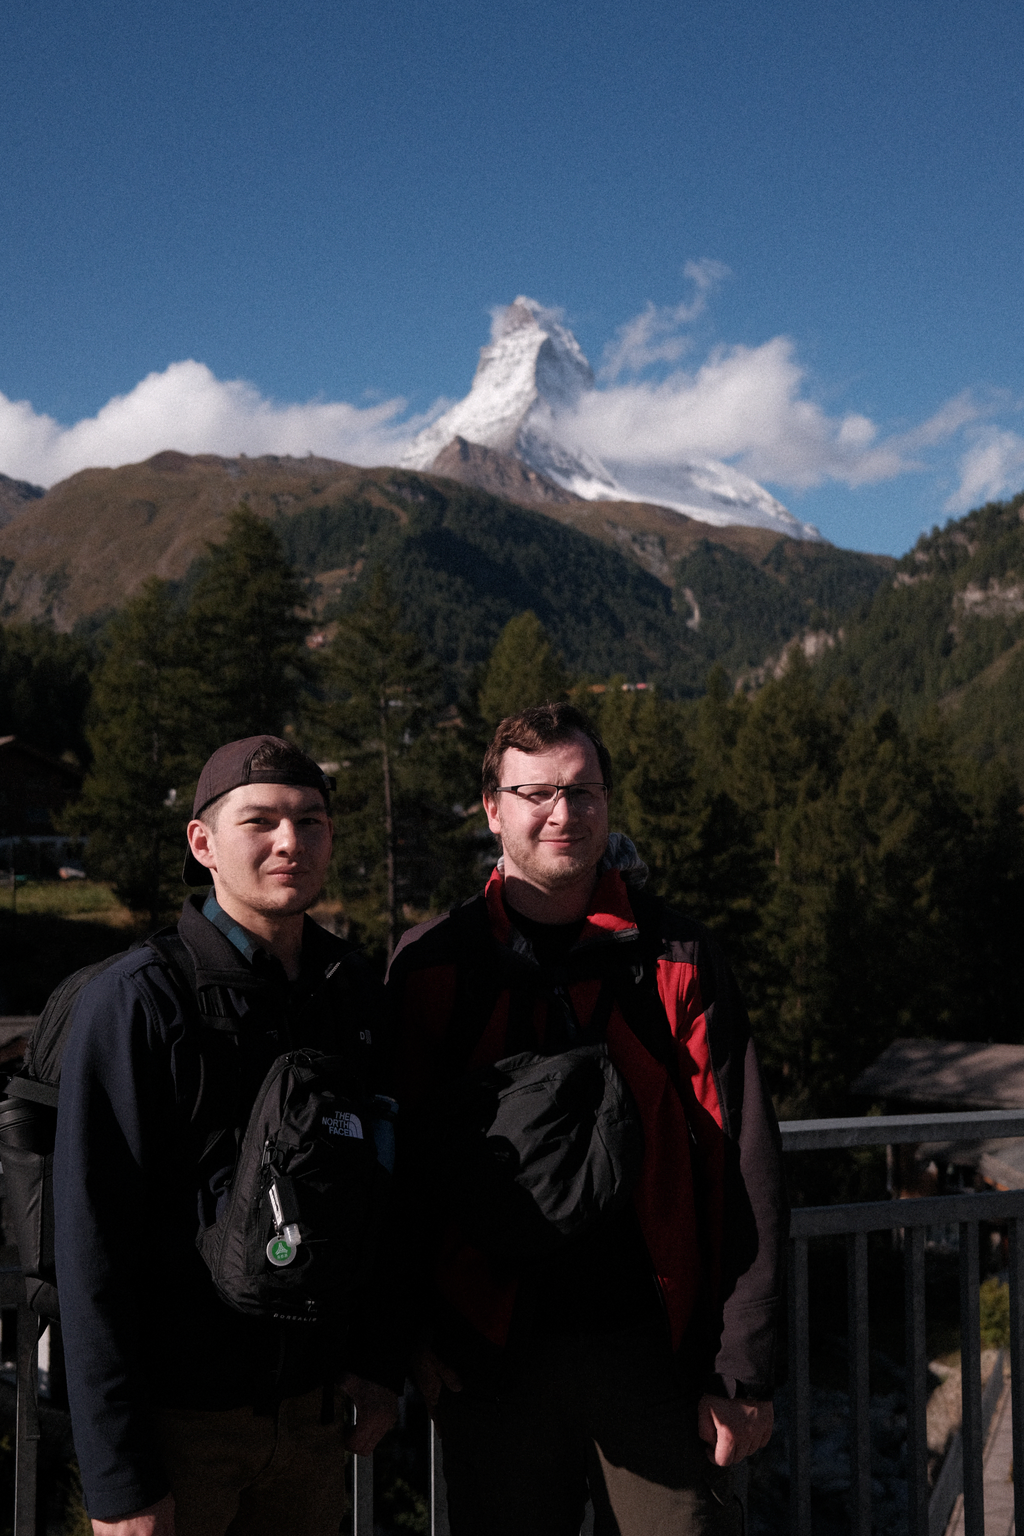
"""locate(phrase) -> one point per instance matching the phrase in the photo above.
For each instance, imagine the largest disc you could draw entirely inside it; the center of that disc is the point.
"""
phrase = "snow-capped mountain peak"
(532, 361)
(534, 373)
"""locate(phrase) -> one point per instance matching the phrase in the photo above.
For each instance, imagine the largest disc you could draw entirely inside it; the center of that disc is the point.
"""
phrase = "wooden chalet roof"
(951, 1075)
(946, 1074)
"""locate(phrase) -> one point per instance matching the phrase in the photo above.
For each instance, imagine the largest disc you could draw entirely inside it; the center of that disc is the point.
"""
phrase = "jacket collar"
(220, 963)
(608, 916)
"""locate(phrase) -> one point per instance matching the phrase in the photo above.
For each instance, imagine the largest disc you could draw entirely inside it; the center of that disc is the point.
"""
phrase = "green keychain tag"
(280, 1252)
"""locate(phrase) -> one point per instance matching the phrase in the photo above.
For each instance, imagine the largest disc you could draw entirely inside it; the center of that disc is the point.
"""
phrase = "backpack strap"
(31, 1088)
(489, 970)
(479, 983)
(636, 989)
(211, 999)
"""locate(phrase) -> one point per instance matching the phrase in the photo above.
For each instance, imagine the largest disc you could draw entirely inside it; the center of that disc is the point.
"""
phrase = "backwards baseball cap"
(231, 767)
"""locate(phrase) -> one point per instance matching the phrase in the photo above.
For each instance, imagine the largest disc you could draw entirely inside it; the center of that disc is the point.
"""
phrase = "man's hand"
(732, 1428)
(430, 1375)
(157, 1520)
(376, 1412)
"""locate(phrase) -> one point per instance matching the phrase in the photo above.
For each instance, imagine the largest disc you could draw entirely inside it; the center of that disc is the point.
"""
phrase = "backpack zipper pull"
(282, 1248)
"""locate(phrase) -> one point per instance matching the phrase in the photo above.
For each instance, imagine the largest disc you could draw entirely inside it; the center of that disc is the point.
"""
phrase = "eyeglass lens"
(584, 798)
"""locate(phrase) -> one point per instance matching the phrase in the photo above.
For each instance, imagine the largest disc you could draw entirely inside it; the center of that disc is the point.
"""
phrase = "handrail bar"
(893, 1215)
(893, 1130)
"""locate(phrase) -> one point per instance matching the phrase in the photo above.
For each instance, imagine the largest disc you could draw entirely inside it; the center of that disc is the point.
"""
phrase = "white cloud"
(747, 405)
(188, 408)
(656, 335)
(992, 466)
(752, 407)
(946, 422)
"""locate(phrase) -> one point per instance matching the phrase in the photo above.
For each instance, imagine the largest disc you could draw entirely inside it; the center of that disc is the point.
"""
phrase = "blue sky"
(321, 203)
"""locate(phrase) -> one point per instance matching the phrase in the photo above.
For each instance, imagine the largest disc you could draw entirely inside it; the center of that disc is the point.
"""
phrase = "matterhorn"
(512, 432)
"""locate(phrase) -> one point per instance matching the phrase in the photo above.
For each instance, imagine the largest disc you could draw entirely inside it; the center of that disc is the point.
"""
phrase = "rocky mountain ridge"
(503, 474)
(621, 586)
(89, 542)
(15, 497)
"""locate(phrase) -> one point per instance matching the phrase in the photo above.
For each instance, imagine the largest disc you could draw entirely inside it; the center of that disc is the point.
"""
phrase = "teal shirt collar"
(244, 942)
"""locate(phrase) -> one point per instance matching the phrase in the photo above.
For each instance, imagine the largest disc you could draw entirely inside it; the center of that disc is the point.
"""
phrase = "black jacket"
(150, 1099)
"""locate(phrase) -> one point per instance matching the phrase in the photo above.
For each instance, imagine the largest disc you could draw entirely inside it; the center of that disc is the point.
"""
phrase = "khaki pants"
(248, 1474)
(602, 1412)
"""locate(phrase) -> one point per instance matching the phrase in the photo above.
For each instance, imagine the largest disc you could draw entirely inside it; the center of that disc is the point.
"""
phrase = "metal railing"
(912, 1217)
(927, 1513)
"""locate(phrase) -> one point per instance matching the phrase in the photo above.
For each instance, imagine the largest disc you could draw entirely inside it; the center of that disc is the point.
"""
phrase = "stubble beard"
(562, 876)
(298, 901)
(261, 902)
(550, 874)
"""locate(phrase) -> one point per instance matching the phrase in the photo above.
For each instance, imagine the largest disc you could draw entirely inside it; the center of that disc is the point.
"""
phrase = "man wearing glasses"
(632, 1363)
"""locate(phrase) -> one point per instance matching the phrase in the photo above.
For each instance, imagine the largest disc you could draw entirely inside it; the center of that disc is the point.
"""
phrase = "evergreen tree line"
(865, 879)
(947, 633)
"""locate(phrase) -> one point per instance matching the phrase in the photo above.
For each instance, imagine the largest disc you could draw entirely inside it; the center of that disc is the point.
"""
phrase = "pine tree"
(246, 637)
(146, 755)
(382, 693)
(862, 883)
(44, 687)
(173, 686)
(522, 670)
(672, 763)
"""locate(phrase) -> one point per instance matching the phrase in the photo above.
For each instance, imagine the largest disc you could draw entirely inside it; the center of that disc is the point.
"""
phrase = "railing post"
(859, 1382)
(799, 1391)
(362, 1495)
(27, 1426)
(438, 1492)
(970, 1381)
(1017, 1365)
(917, 1383)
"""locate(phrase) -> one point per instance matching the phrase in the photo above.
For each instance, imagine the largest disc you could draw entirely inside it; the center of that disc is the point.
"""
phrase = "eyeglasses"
(584, 799)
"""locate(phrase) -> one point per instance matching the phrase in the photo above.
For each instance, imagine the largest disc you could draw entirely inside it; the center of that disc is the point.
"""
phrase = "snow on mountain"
(528, 383)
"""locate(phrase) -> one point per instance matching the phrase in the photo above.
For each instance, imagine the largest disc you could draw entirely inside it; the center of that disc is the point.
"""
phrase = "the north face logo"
(343, 1123)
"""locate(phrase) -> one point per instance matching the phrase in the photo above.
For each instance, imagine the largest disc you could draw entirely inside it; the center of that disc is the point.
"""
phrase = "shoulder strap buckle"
(213, 1002)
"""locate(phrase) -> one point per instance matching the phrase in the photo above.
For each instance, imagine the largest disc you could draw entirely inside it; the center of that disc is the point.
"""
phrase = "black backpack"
(28, 1123)
(298, 1230)
(534, 1150)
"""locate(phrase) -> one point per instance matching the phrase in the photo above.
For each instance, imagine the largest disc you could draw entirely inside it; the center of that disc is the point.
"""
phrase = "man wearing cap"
(189, 1418)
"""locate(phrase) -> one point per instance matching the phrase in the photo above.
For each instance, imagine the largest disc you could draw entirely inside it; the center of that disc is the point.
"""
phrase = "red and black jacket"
(716, 1240)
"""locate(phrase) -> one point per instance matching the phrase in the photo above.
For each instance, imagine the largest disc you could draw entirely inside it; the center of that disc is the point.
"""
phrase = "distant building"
(940, 1077)
(34, 788)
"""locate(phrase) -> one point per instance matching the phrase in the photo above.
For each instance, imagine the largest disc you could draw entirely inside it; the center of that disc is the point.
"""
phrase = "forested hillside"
(462, 563)
(946, 633)
(620, 586)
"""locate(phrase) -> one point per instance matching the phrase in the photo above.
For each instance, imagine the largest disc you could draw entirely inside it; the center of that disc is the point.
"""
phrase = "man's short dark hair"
(535, 729)
(280, 755)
